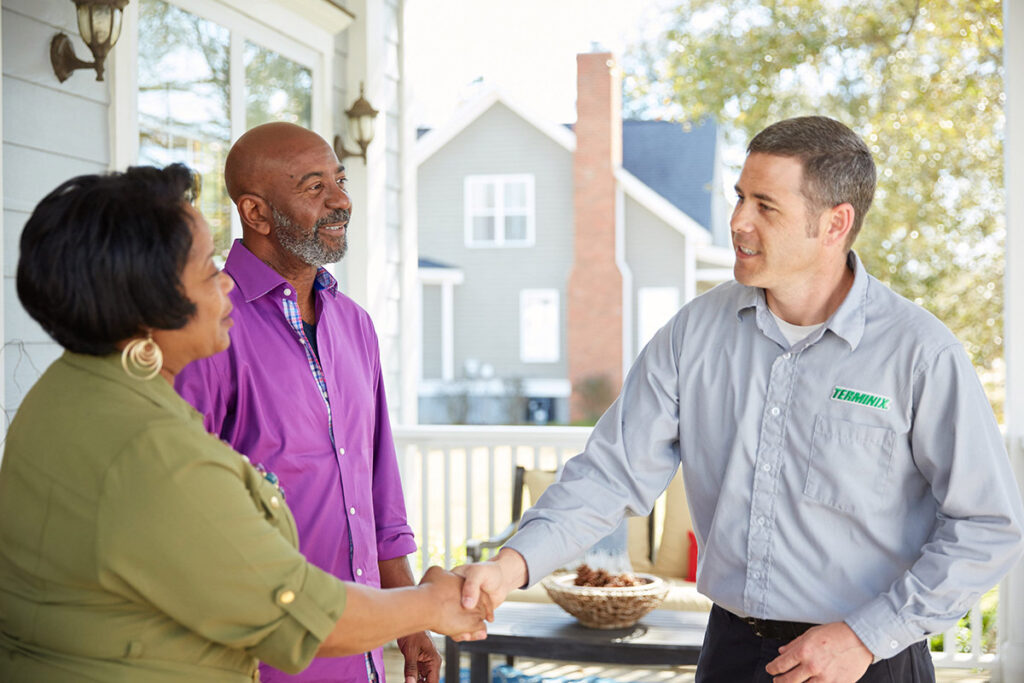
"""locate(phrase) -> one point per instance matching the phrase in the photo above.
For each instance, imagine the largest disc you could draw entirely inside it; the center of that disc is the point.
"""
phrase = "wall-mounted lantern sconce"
(99, 22)
(360, 128)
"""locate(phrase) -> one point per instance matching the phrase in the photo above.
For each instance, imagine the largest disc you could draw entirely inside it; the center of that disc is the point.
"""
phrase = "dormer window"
(499, 210)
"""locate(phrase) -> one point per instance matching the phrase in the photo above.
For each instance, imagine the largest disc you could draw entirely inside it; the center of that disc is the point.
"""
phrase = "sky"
(526, 47)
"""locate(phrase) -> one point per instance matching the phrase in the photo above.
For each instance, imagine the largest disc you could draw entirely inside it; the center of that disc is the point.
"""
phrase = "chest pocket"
(270, 502)
(849, 464)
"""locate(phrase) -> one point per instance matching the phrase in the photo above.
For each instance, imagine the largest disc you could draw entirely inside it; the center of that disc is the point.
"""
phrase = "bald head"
(261, 157)
(290, 192)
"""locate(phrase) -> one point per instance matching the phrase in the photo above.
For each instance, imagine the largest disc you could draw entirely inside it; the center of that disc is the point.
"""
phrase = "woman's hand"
(495, 578)
(451, 618)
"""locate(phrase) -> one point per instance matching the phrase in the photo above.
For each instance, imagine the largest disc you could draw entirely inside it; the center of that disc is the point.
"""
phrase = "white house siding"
(499, 142)
(656, 255)
(51, 132)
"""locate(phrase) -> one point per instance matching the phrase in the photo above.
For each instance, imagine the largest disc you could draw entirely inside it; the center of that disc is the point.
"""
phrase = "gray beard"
(306, 244)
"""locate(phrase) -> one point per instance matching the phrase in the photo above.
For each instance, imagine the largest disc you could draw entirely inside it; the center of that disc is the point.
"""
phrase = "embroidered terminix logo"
(861, 398)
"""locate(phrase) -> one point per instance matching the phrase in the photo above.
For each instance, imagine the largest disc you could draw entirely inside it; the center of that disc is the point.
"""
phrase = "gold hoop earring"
(142, 359)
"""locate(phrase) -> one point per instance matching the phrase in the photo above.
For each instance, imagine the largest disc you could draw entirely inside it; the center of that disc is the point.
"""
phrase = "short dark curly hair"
(102, 256)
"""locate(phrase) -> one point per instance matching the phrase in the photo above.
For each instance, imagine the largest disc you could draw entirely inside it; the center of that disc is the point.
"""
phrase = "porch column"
(447, 331)
(1011, 595)
(366, 261)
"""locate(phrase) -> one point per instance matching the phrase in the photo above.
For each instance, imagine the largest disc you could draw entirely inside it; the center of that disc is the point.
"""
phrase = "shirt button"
(893, 644)
(359, 572)
(286, 597)
(351, 511)
(274, 502)
(761, 521)
(302, 341)
(756, 575)
(775, 411)
(766, 467)
(287, 292)
(787, 355)
(341, 451)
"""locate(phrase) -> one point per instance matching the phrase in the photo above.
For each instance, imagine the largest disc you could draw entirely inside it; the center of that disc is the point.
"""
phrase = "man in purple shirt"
(300, 389)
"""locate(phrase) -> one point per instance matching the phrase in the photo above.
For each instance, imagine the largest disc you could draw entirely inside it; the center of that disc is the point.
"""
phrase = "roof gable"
(433, 140)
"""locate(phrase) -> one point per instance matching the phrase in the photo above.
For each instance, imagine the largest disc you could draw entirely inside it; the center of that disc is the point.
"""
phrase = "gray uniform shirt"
(858, 476)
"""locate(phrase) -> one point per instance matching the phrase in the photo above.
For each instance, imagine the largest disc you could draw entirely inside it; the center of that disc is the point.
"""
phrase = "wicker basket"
(606, 607)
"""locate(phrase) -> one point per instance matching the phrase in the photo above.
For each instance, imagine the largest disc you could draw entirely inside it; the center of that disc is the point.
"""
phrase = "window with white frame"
(539, 331)
(207, 73)
(499, 210)
(655, 306)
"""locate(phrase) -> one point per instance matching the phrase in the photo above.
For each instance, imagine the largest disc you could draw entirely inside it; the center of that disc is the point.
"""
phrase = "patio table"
(545, 631)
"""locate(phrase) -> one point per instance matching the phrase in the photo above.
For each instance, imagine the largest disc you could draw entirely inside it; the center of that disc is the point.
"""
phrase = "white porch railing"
(458, 486)
(458, 480)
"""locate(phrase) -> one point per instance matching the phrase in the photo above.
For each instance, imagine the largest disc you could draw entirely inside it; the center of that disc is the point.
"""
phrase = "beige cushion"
(534, 483)
(673, 558)
(638, 545)
(683, 596)
(672, 561)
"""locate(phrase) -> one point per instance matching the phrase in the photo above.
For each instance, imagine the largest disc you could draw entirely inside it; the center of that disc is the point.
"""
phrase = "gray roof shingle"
(677, 164)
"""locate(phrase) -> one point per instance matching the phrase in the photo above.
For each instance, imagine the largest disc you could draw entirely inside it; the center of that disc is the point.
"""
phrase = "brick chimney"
(595, 283)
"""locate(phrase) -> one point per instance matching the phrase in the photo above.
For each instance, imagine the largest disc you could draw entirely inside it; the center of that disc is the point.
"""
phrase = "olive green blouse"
(136, 547)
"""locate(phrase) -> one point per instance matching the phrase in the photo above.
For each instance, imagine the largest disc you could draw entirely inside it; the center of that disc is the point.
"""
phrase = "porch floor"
(393, 663)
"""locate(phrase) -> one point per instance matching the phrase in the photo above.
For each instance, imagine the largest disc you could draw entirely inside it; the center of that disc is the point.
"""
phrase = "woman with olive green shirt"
(134, 546)
(164, 549)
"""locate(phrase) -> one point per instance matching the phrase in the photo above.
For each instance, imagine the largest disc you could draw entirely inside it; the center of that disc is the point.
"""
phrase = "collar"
(847, 322)
(254, 278)
(156, 390)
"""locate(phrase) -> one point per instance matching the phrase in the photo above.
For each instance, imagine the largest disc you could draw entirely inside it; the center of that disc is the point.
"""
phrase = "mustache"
(337, 216)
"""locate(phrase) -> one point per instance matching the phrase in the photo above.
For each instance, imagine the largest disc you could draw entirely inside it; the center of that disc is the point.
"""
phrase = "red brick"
(595, 283)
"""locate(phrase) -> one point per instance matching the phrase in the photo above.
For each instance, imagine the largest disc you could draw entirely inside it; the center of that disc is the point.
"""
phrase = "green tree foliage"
(920, 81)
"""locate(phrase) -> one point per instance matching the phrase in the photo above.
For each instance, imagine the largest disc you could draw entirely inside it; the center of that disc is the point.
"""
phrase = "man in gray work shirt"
(847, 480)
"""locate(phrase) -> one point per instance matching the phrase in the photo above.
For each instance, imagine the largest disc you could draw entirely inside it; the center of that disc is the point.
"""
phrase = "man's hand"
(831, 653)
(422, 660)
(498, 576)
(448, 614)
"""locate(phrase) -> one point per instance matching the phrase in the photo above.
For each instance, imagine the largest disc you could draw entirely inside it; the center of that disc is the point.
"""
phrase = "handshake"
(467, 596)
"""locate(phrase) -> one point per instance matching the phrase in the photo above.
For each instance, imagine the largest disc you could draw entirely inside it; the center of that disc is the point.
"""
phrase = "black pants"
(733, 654)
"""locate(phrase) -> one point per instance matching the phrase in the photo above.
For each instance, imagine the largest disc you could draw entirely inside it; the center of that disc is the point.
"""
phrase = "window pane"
(515, 195)
(481, 195)
(183, 102)
(515, 228)
(277, 89)
(483, 228)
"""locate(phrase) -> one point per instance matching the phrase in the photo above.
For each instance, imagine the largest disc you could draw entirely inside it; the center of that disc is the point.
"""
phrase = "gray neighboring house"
(497, 228)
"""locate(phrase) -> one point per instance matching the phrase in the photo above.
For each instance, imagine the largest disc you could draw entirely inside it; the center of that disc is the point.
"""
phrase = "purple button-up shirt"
(326, 437)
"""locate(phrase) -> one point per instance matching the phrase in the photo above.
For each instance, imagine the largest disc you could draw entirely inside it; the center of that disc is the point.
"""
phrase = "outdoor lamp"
(99, 22)
(360, 128)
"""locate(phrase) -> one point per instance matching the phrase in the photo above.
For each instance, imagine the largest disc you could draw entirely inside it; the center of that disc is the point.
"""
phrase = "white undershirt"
(794, 333)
